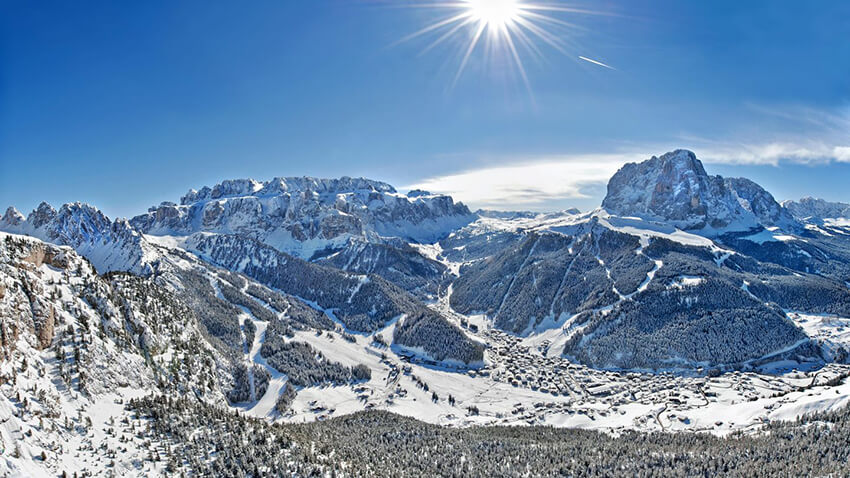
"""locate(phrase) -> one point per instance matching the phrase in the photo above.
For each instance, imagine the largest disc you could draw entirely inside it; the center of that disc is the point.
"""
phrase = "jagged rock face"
(675, 188)
(42, 311)
(117, 329)
(760, 203)
(109, 245)
(76, 224)
(302, 215)
(817, 209)
(42, 215)
(44, 327)
(53, 256)
(12, 217)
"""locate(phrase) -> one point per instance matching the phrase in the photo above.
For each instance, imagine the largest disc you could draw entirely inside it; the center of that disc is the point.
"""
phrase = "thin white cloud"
(532, 182)
(791, 134)
(774, 153)
(821, 122)
(809, 136)
(525, 185)
(842, 154)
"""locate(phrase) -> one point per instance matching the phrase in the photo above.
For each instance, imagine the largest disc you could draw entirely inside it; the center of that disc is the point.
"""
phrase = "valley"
(520, 385)
(687, 304)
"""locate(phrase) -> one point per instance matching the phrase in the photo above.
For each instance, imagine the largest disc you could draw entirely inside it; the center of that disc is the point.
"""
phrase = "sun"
(494, 13)
(507, 28)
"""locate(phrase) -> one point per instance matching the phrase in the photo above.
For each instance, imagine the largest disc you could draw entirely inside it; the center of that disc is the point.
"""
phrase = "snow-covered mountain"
(300, 298)
(819, 210)
(365, 256)
(108, 245)
(73, 344)
(679, 269)
(675, 188)
(301, 216)
(358, 225)
(625, 293)
(361, 303)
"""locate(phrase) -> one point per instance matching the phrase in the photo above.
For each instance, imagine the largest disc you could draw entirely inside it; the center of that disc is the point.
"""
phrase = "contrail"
(597, 62)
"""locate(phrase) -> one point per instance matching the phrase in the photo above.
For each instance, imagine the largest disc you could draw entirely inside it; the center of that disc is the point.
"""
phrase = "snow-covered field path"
(264, 407)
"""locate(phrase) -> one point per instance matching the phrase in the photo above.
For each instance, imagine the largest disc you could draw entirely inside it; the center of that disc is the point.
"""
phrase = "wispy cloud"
(797, 134)
(835, 123)
(530, 182)
(774, 153)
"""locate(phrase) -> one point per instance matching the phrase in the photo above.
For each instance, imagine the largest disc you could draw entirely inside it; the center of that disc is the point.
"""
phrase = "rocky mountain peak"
(818, 209)
(41, 215)
(300, 215)
(283, 185)
(78, 222)
(12, 217)
(760, 203)
(109, 245)
(682, 160)
(675, 188)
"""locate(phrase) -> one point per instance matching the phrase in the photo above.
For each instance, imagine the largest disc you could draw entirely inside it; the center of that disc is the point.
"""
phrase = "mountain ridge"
(303, 215)
(676, 188)
(352, 229)
(111, 245)
(300, 299)
(817, 209)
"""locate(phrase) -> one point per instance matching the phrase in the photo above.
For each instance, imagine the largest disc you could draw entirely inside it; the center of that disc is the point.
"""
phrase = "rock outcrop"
(675, 188)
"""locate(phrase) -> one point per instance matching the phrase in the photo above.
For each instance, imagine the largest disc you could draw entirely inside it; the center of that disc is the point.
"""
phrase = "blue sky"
(126, 104)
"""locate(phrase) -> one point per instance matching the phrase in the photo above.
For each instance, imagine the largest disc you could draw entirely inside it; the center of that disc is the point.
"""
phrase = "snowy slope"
(76, 345)
(302, 216)
(108, 245)
(688, 302)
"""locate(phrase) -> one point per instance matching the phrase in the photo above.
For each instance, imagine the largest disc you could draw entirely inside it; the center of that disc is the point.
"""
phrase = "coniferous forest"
(202, 440)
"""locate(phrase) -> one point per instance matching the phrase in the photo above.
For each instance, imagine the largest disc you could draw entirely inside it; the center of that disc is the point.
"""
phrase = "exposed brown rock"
(44, 328)
(44, 255)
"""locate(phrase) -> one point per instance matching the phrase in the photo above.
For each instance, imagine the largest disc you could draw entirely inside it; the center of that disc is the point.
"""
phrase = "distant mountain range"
(818, 210)
(677, 269)
(224, 296)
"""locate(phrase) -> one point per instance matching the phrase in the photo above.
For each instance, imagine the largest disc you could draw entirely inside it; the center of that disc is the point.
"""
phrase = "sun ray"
(528, 44)
(472, 43)
(448, 34)
(542, 34)
(555, 8)
(554, 21)
(520, 67)
(435, 26)
(506, 28)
